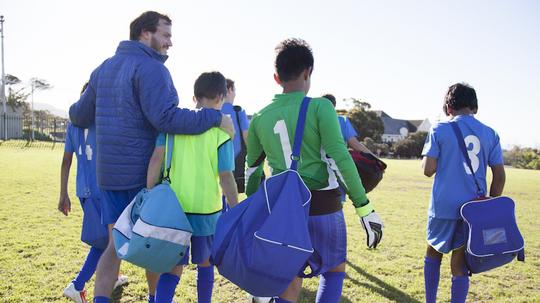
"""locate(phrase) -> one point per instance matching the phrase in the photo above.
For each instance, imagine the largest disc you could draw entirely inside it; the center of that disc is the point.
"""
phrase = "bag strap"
(461, 143)
(169, 142)
(243, 143)
(299, 133)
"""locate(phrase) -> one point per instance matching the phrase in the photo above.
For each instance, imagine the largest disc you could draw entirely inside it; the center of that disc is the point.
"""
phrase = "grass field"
(40, 251)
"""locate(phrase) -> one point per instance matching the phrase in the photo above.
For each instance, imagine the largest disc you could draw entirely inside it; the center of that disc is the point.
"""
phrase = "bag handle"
(169, 142)
(299, 133)
(461, 143)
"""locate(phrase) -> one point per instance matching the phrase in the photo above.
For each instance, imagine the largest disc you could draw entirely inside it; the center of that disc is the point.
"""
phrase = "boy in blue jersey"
(454, 185)
(82, 142)
(88, 193)
(199, 165)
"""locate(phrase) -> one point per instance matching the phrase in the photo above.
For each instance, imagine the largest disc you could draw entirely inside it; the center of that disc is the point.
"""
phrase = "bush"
(528, 158)
(410, 147)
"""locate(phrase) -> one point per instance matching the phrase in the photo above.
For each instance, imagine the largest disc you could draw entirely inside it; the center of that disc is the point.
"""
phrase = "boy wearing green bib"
(200, 165)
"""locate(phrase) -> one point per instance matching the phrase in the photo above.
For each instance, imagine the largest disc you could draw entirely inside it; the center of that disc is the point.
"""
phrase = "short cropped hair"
(210, 85)
(147, 21)
(292, 57)
(230, 83)
(331, 98)
(461, 95)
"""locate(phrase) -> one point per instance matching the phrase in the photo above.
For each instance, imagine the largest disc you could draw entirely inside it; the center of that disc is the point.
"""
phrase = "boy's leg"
(292, 292)
(106, 272)
(432, 270)
(205, 281)
(460, 280)
(331, 285)
(167, 283)
(152, 280)
(88, 269)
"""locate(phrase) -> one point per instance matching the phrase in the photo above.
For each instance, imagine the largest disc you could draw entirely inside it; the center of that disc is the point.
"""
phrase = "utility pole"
(3, 80)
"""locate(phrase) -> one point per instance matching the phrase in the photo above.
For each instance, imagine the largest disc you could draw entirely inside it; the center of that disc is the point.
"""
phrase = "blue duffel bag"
(492, 234)
(263, 243)
(153, 231)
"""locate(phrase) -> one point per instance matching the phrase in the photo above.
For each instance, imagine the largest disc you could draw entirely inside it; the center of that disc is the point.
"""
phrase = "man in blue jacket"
(131, 98)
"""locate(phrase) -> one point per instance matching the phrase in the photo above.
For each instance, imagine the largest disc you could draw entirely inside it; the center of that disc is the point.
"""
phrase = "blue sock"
(432, 271)
(205, 284)
(88, 268)
(166, 287)
(101, 299)
(151, 299)
(460, 288)
(280, 300)
(330, 286)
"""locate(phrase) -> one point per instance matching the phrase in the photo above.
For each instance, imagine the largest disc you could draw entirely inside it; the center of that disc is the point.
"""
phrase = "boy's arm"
(254, 160)
(497, 181)
(154, 167)
(64, 203)
(429, 165)
(228, 185)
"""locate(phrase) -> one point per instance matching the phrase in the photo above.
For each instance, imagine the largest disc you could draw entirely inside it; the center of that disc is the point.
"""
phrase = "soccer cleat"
(120, 281)
(253, 299)
(77, 296)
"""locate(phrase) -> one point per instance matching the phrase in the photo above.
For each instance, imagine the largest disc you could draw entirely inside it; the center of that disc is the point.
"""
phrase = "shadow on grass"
(310, 296)
(384, 289)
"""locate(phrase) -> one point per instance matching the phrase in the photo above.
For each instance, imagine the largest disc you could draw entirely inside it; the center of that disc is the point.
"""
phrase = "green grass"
(40, 250)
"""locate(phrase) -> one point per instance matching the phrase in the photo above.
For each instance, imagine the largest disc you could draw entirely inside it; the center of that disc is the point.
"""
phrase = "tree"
(37, 84)
(17, 98)
(410, 147)
(366, 122)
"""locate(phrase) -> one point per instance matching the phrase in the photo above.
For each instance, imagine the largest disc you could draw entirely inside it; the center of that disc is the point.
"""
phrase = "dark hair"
(84, 87)
(331, 98)
(230, 83)
(147, 21)
(210, 85)
(460, 95)
(292, 58)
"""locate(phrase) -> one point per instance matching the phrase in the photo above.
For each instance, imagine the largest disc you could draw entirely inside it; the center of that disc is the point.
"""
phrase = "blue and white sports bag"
(153, 231)
(263, 243)
(491, 232)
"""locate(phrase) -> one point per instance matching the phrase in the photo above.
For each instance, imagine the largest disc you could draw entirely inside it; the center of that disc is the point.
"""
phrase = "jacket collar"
(137, 48)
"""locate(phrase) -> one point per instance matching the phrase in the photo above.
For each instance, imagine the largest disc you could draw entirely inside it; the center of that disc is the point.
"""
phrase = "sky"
(400, 56)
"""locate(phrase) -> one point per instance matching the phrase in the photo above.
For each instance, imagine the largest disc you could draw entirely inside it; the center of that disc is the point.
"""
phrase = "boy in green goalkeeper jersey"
(270, 137)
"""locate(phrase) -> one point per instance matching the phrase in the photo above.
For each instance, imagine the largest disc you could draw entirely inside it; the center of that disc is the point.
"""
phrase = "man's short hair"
(147, 21)
(461, 95)
(293, 56)
(210, 85)
(230, 83)
(331, 98)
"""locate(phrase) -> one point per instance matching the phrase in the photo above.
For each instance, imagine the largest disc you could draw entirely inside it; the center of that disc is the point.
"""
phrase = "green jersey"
(324, 157)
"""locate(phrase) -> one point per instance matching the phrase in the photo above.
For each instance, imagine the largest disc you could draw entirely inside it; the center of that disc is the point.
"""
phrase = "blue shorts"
(114, 202)
(201, 249)
(329, 239)
(445, 235)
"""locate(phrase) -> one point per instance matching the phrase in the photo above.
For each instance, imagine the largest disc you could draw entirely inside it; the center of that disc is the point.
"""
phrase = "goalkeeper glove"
(372, 224)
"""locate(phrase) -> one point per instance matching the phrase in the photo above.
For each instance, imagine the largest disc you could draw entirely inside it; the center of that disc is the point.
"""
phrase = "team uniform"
(323, 160)
(453, 184)
(347, 131)
(228, 109)
(195, 167)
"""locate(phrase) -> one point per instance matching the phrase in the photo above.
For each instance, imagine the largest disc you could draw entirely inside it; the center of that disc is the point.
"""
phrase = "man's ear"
(276, 78)
(307, 73)
(194, 99)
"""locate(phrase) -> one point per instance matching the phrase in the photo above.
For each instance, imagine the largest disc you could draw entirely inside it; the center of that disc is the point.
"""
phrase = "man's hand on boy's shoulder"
(227, 125)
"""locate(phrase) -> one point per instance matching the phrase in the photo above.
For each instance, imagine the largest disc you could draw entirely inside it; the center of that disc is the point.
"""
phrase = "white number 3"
(473, 153)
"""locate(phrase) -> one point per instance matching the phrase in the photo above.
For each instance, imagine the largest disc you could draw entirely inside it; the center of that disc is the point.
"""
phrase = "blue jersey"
(82, 142)
(454, 184)
(347, 130)
(228, 109)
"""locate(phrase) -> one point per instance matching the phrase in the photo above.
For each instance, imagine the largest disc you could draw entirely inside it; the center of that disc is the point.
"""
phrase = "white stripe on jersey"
(331, 167)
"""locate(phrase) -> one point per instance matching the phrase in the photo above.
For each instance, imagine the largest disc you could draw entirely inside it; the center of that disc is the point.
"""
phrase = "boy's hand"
(372, 224)
(227, 125)
(64, 204)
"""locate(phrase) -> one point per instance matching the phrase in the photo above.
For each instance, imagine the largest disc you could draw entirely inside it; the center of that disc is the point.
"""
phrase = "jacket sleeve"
(332, 142)
(159, 101)
(83, 112)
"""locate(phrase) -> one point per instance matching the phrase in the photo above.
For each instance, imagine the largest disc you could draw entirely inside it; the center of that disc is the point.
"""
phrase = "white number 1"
(281, 130)
(473, 154)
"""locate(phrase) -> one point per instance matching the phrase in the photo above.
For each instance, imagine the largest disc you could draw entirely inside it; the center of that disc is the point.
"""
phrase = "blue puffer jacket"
(131, 98)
